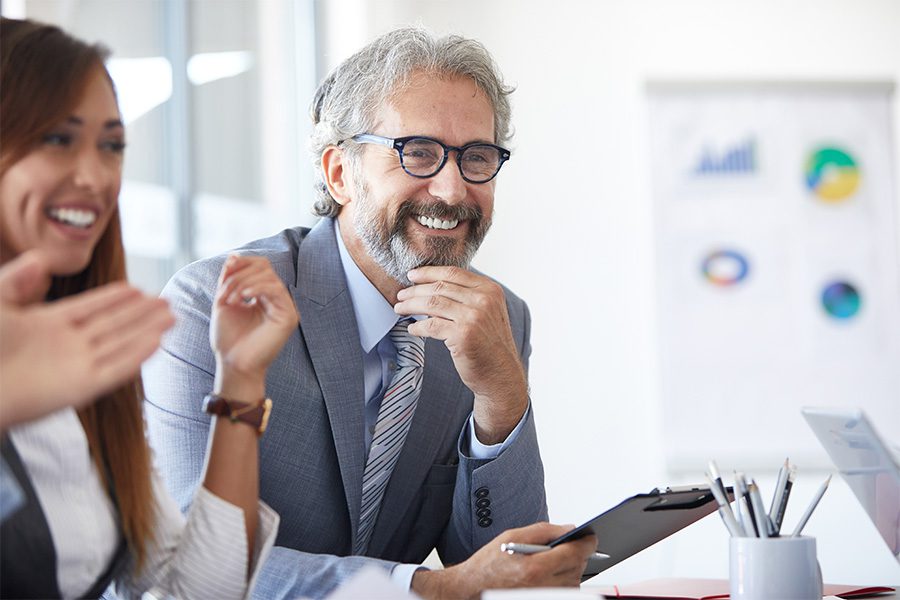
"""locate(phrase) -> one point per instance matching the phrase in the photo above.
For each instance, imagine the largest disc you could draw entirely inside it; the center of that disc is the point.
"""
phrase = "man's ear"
(337, 174)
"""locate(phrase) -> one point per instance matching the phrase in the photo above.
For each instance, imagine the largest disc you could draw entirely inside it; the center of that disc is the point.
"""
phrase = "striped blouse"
(201, 556)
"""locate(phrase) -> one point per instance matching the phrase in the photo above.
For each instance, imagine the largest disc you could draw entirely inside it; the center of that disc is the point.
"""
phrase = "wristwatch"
(255, 414)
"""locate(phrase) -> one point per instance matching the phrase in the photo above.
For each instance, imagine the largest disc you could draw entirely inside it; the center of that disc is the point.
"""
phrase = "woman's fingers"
(86, 306)
(117, 317)
(121, 357)
(249, 285)
(148, 320)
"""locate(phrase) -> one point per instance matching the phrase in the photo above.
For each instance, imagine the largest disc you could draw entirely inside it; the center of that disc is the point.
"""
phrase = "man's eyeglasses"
(424, 157)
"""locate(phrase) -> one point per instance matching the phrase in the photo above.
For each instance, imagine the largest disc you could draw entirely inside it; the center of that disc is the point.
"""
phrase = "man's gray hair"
(347, 101)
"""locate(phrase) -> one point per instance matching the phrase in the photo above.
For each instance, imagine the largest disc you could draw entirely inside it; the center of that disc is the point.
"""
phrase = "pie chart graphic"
(832, 174)
(725, 268)
(841, 300)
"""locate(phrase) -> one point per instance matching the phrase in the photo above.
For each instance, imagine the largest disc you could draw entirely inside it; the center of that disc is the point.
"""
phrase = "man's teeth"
(437, 223)
(73, 216)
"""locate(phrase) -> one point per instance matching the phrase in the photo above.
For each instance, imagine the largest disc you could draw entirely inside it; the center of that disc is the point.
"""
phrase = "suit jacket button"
(483, 512)
(485, 522)
(483, 502)
(481, 492)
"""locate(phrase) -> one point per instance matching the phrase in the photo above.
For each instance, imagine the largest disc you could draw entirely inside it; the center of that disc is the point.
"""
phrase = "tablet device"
(641, 521)
(865, 462)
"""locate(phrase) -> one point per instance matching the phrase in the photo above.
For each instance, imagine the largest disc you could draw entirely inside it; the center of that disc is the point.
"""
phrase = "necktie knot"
(410, 348)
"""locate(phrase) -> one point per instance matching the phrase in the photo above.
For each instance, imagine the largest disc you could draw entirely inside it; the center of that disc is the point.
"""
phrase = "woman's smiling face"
(60, 197)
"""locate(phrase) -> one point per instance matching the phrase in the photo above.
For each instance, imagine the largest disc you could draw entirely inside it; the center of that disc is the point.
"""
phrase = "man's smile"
(432, 223)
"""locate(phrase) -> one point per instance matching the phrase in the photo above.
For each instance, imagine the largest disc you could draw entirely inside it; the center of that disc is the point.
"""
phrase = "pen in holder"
(764, 564)
(776, 567)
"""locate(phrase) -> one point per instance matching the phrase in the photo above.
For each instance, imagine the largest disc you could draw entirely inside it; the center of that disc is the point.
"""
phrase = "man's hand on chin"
(468, 312)
(490, 568)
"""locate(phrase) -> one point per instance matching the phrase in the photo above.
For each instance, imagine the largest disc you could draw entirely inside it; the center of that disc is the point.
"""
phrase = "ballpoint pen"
(779, 516)
(514, 548)
(756, 504)
(738, 513)
(811, 507)
(744, 505)
(725, 509)
(716, 478)
(779, 490)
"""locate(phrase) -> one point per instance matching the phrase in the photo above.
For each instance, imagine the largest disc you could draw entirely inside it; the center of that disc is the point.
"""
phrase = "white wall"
(574, 236)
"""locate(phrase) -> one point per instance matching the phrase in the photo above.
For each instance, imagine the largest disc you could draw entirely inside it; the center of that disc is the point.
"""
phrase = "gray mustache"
(439, 210)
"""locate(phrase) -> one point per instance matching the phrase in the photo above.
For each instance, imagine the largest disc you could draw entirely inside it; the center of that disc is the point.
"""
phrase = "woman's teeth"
(437, 223)
(75, 217)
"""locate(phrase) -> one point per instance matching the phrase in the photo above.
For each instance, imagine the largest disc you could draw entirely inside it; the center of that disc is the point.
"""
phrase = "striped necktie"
(394, 418)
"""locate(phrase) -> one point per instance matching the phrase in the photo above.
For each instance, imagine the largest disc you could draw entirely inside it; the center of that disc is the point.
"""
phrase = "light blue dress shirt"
(375, 317)
(11, 497)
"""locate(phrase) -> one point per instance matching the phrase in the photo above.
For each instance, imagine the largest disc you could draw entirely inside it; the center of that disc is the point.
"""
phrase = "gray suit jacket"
(313, 455)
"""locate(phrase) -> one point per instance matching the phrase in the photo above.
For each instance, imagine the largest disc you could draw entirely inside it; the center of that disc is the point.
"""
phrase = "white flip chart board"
(777, 265)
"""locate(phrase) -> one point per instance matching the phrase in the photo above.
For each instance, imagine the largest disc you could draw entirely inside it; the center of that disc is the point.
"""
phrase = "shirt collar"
(374, 315)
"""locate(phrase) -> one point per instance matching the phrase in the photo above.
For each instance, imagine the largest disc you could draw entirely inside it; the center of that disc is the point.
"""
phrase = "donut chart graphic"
(832, 174)
(841, 300)
(725, 268)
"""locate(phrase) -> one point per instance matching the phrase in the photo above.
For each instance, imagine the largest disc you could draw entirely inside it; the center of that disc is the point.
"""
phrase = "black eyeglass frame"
(399, 143)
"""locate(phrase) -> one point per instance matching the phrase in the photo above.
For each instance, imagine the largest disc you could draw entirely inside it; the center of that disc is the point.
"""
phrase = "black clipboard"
(642, 520)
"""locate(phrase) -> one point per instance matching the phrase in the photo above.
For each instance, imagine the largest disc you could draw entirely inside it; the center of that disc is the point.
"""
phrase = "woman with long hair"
(95, 510)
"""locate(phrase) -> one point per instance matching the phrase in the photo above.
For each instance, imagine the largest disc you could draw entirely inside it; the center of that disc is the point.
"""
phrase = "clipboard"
(642, 520)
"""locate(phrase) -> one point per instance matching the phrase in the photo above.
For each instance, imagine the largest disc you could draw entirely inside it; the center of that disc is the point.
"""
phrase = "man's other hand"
(491, 568)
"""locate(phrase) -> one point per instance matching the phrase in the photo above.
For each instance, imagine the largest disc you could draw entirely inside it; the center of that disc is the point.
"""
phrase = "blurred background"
(588, 228)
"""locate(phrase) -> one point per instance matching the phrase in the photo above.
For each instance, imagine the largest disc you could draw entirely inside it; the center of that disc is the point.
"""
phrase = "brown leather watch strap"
(255, 414)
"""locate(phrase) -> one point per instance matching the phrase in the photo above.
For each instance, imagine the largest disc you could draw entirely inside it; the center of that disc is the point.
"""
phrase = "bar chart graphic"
(738, 159)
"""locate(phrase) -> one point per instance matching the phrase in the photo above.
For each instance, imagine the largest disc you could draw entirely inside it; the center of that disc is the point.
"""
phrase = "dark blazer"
(313, 454)
(28, 566)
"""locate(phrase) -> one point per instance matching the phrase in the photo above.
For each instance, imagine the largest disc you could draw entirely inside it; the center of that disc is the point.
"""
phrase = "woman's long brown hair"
(43, 74)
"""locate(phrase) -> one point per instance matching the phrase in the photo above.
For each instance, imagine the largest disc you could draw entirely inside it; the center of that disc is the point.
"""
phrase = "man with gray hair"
(401, 419)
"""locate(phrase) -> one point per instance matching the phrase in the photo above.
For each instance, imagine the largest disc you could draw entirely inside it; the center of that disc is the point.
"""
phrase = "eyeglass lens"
(422, 157)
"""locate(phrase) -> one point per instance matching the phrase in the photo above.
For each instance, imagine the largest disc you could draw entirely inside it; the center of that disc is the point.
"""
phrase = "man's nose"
(448, 184)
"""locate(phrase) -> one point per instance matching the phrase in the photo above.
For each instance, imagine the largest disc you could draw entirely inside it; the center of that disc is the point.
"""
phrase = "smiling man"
(401, 419)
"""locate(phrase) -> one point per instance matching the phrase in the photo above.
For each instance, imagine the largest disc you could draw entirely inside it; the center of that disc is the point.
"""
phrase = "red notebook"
(712, 589)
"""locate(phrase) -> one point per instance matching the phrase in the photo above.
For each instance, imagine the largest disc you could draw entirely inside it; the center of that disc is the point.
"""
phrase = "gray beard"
(389, 245)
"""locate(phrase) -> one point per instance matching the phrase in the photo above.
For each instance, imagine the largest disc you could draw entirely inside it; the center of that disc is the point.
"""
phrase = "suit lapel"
(329, 329)
(440, 384)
